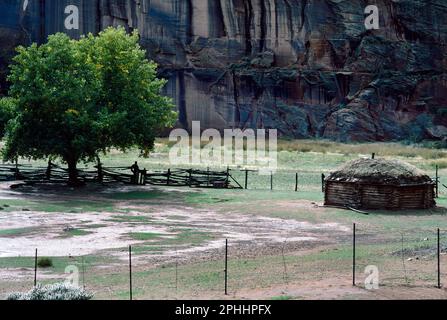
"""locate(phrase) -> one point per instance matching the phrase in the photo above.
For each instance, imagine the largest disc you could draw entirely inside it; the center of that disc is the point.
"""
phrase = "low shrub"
(44, 263)
(58, 291)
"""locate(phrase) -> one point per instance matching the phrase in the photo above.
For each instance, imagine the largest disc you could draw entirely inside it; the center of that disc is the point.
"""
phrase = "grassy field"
(283, 244)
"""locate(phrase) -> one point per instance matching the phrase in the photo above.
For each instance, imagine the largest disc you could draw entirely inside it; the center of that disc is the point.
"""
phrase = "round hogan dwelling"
(379, 184)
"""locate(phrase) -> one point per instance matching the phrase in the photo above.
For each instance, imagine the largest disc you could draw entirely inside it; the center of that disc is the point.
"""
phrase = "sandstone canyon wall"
(308, 68)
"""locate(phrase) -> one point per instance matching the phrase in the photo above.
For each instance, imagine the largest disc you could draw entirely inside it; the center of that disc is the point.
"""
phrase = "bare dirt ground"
(106, 231)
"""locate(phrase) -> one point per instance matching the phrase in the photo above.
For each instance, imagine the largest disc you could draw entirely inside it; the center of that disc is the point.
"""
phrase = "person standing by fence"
(136, 172)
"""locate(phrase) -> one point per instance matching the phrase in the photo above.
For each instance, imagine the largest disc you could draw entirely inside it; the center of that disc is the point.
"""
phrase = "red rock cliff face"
(308, 68)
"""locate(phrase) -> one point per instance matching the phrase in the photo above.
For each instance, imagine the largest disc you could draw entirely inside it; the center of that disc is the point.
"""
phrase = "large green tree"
(78, 98)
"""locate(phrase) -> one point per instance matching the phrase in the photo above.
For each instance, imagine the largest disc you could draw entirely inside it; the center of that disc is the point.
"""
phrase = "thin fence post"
(439, 260)
(176, 269)
(437, 181)
(246, 179)
(271, 180)
(83, 273)
(227, 181)
(35, 268)
(17, 171)
(99, 170)
(296, 182)
(168, 182)
(208, 176)
(226, 267)
(353, 255)
(130, 272)
(48, 172)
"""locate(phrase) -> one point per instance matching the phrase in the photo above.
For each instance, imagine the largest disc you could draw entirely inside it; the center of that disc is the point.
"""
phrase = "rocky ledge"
(308, 68)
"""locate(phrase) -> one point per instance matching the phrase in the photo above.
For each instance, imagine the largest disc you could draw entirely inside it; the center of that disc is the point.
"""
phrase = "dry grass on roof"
(380, 171)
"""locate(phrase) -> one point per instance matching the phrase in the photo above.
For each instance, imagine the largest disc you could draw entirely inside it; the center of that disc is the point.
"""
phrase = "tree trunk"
(73, 173)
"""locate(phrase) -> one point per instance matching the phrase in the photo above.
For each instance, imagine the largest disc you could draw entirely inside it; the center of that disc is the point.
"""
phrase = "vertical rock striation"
(308, 68)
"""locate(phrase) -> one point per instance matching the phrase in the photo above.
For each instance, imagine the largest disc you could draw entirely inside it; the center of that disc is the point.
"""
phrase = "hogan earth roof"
(380, 171)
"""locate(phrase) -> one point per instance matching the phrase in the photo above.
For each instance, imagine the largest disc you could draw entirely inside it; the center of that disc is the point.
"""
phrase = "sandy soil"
(112, 234)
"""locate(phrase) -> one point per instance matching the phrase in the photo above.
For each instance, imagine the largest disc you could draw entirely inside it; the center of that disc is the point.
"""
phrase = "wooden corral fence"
(172, 177)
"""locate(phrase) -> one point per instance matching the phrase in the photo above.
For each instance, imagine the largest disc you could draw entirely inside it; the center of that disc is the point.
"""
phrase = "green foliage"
(78, 98)
(130, 92)
(7, 112)
(44, 262)
(58, 291)
(143, 236)
(56, 93)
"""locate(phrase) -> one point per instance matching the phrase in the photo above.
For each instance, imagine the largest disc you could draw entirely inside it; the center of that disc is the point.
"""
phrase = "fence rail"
(177, 177)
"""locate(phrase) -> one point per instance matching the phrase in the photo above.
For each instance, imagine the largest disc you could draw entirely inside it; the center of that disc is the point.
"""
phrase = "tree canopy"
(77, 98)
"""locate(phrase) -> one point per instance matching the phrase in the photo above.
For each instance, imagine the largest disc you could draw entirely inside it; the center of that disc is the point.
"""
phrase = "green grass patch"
(130, 219)
(70, 206)
(147, 249)
(19, 232)
(188, 237)
(282, 298)
(137, 195)
(182, 238)
(95, 226)
(144, 236)
(75, 233)
(59, 263)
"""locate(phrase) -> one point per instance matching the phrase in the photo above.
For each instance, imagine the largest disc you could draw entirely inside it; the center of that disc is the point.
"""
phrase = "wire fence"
(396, 258)
(401, 257)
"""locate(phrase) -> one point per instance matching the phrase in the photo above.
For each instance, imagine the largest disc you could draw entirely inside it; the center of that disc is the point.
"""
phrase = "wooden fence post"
(353, 255)
(17, 171)
(437, 181)
(439, 260)
(208, 176)
(226, 267)
(130, 272)
(35, 268)
(100, 173)
(271, 180)
(296, 182)
(144, 176)
(83, 273)
(246, 179)
(48, 172)
(168, 181)
(323, 177)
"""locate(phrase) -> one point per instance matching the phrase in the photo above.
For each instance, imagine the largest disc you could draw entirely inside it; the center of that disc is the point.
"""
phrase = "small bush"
(305, 149)
(44, 263)
(58, 291)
